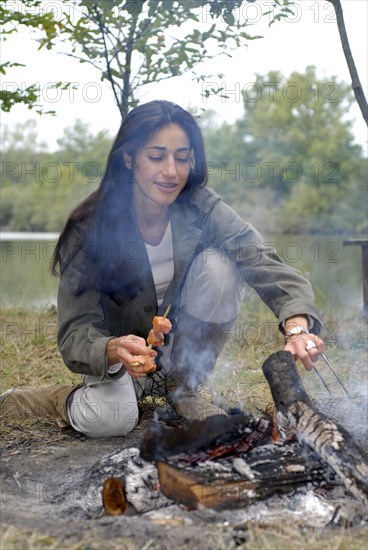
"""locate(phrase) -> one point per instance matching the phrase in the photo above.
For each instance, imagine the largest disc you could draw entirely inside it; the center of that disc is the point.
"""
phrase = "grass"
(288, 538)
(238, 378)
(29, 350)
(259, 539)
(30, 358)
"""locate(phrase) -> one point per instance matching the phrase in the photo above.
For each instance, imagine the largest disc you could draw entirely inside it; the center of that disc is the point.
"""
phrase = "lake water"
(333, 269)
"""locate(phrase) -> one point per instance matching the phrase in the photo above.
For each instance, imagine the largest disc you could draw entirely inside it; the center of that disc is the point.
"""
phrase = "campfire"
(233, 470)
(237, 461)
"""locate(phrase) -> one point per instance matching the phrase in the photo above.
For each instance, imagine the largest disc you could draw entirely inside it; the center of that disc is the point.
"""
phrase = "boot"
(195, 350)
(192, 406)
(28, 402)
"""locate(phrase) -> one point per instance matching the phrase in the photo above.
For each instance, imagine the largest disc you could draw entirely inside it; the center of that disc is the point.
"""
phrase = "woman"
(152, 236)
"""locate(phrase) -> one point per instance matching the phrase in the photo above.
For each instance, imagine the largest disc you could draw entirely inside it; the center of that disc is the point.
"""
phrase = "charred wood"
(329, 440)
(239, 481)
(229, 461)
(216, 436)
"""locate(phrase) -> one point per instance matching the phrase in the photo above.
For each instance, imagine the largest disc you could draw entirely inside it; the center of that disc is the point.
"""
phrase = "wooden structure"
(363, 243)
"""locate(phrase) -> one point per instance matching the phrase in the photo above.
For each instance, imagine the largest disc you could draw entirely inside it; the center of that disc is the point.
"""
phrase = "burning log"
(208, 462)
(233, 461)
(238, 481)
(227, 462)
(329, 440)
(215, 436)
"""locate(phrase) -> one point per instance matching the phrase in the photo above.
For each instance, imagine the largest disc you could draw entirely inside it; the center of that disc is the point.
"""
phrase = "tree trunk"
(356, 85)
(126, 92)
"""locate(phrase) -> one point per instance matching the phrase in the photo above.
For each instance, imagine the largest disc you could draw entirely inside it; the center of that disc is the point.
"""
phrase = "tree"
(355, 81)
(79, 143)
(134, 42)
(12, 20)
(293, 151)
(109, 33)
(142, 42)
(40, 188)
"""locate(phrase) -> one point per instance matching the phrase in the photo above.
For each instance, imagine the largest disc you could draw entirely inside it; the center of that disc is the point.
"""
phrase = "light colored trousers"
(212, 293)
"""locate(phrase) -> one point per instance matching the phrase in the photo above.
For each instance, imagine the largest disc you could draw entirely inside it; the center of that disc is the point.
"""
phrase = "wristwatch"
(296, 331)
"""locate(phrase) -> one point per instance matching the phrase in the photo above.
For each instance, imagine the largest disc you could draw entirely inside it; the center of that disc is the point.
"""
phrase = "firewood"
(235, 482)
(113, 497)
(230, 462)
(160, 441)
(329, 440)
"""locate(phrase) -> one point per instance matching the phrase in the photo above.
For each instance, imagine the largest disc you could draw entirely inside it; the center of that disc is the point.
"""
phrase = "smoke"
(349, 411)
(197, 366)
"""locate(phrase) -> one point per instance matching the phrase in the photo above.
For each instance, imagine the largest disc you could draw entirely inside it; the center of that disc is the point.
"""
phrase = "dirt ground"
(41, 465)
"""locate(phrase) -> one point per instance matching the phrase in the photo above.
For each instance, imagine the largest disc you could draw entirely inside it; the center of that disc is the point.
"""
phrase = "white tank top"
(161, 258)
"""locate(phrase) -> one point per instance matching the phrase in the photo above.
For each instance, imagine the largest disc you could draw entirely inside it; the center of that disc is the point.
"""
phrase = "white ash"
(243, 468)
(142, 487)
(303, 505)
(214, 466)
(308, 505)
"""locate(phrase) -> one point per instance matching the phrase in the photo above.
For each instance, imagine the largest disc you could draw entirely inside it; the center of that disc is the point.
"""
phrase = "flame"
(275, 433)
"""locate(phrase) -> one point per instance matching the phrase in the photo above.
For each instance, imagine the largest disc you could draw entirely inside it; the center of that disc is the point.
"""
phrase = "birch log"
(329, 440)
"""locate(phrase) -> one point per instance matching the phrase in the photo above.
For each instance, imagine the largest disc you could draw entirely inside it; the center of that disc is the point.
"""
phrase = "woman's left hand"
(306, 347)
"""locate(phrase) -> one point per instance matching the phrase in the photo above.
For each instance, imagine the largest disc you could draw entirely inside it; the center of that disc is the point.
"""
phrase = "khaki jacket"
(88, 321)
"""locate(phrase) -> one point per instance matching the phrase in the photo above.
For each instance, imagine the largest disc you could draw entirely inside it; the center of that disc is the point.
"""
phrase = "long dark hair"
(105, 218)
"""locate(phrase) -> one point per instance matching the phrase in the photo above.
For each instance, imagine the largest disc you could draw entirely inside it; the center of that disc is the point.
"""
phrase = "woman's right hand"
(124, 349)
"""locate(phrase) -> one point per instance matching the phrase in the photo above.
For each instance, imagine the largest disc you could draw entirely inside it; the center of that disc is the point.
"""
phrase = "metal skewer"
(322, 380)
(137, 363)
(311, 345)
(334, 373)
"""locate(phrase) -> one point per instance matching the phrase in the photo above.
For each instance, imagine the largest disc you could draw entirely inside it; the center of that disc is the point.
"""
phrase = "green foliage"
(292, 153)
(136, 43)
(289, 164)
(132, 42)
(14, 16)
(39, 189)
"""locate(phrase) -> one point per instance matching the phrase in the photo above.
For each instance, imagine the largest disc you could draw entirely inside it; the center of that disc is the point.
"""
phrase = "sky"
(310, 37)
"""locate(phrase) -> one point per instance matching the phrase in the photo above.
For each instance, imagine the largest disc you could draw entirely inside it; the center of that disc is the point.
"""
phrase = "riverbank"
(333, 269)
(38, 457)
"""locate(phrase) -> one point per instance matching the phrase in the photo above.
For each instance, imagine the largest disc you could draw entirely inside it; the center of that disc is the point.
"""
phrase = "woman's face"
(161, 166)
